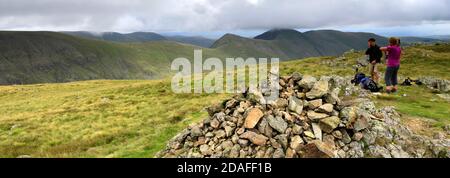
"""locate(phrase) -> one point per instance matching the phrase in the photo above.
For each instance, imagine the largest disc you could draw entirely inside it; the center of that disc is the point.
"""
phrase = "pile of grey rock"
(436, 84)
(309, 120)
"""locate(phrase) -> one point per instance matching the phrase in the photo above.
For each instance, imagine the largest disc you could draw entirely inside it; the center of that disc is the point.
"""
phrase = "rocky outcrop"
(438, 85)
(309, 120)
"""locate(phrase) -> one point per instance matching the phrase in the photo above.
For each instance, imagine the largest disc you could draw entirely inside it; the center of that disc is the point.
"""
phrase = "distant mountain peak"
(227, 38)
(230, 35)
(278, 33)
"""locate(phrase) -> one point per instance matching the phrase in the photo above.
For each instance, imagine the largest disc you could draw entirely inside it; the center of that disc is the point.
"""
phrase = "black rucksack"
(358, 78)
(409, 82)
(368, 84)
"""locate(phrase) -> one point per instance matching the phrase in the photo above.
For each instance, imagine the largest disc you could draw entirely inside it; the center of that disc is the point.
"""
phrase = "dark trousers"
(391, 76)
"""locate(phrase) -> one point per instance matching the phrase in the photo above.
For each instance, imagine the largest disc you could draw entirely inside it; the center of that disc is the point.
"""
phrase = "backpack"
(358, 78)
(368, 84)
(407, 82)
(418, 82)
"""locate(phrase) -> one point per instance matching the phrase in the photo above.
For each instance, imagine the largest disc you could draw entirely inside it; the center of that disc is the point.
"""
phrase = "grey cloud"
(212, 15)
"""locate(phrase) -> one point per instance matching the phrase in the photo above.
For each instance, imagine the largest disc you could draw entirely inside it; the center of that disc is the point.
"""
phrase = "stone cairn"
(309, 120)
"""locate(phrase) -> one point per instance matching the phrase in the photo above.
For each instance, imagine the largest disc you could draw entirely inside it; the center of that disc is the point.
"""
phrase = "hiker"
(393, 64)
(374, 53)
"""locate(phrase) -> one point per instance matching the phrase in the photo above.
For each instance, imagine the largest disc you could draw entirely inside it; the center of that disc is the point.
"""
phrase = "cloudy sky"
(215, 17)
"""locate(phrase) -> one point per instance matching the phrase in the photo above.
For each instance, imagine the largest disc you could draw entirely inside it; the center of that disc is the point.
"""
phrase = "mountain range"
(48, 57)
(119, 37)
(291, 44)
(413, 39)
(142, 37)
(440, 37)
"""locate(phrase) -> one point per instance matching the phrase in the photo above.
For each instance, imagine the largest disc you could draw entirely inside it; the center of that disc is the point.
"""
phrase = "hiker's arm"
(384, 48)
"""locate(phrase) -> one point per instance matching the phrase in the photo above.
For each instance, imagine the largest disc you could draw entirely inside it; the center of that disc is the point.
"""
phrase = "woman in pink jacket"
(393, 64)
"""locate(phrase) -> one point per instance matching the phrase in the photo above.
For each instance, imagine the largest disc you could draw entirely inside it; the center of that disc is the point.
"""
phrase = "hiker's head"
(372, 42)
(394, 41)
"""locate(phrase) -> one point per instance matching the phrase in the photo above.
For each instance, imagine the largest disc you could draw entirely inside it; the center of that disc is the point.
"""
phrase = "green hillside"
(47, 57)
(244, 47)
(127, 118)
(291, 44)
(331, 42)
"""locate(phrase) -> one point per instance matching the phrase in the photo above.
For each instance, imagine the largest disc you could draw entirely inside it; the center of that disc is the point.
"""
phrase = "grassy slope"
(94, 118)
(417, 61)
(135, 118)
